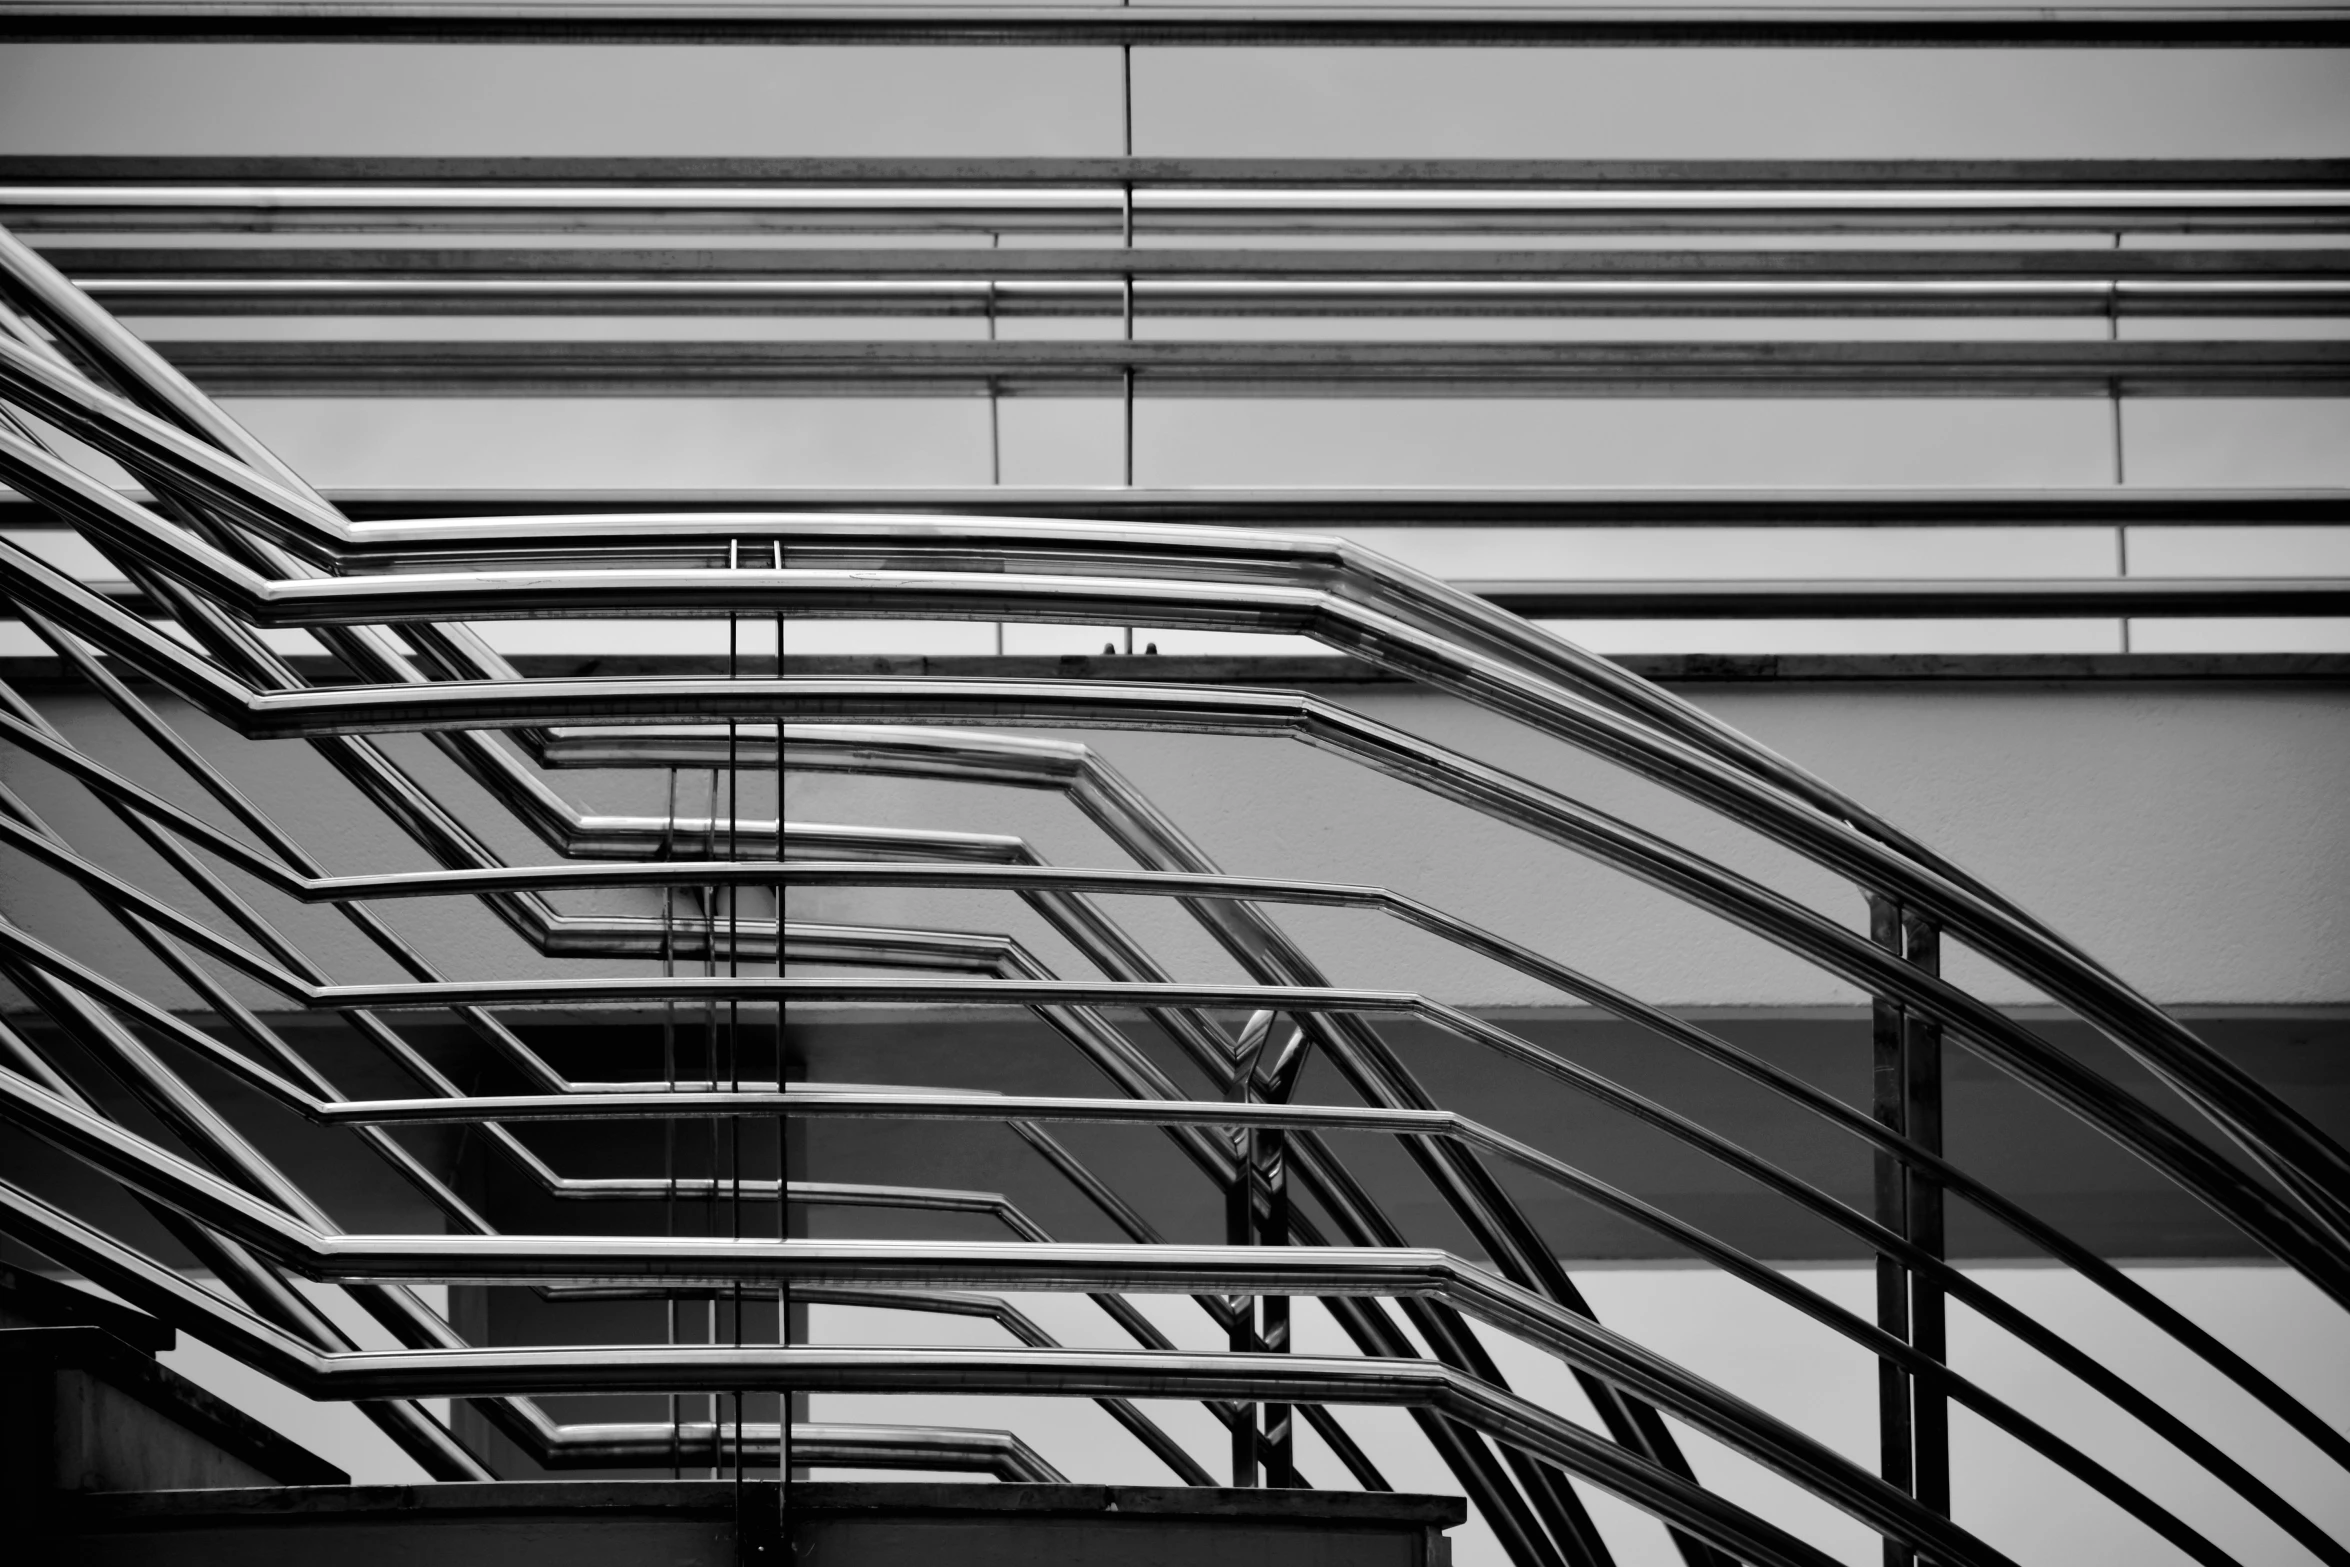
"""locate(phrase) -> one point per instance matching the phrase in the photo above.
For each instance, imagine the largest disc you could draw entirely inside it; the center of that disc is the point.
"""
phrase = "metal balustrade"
(222, 541)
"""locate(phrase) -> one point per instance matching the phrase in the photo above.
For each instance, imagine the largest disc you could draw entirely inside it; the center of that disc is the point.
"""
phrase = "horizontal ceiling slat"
(479, 368)
(1344, 26)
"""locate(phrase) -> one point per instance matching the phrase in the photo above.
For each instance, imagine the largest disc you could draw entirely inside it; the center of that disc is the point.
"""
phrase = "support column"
(1912, 1419)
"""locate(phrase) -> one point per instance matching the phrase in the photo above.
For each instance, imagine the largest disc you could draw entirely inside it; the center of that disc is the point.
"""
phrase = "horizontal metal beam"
(280, 264)
(659, 209)
(1350, 26)
(1107, 299)
(1814, 599)
(2039, 174)
(1166, 195)
(42, 673)
(2132, 596)
(945, 369)
(1311, 509)
(898, 281)
(1673, 669)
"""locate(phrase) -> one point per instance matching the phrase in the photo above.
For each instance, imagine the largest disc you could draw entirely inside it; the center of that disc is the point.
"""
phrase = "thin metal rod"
(1273, 288)
(716, 514)
(197, 180)
(1096, 24)
(1983, 1027)
(232, 544)
(2210, 367)
(1896, 1431)
(1922, 1219)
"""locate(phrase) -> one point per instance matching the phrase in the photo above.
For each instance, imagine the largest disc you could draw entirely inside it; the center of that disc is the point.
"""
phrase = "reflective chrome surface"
(224, 541)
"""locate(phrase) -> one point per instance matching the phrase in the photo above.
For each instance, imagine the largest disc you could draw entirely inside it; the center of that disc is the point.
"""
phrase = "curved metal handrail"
(1185, 1269)
(802, 873)
(1690, 761)
(232, 542)
(2286, 1231)
(694, 1105)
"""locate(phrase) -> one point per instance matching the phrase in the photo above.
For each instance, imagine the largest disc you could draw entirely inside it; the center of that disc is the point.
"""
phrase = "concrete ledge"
(28, 1300)
(87, 1410)
(512, 1498)
(689, 1523)
(1164, 1501)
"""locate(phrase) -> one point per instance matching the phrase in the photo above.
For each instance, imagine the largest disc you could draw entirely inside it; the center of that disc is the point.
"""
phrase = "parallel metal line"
(721, 513)
(233, 542)
(1095, 25)
(1094, 369)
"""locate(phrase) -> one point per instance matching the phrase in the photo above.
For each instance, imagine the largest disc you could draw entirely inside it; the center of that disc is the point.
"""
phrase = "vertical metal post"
(709, 1079)
(734, 1064)
(1279, 1441)
(1240, 1229)
(1921, 1044)
(1126, 377)
(2113, 332)
(2121, 555)
(1126, 209)
(1126, 298)
(995, 437)
(995, 434)
(668, 1125)
(1269, 1175)
(1912, 1419)
(783, 1323)
(995, 476)
(1889, 1103)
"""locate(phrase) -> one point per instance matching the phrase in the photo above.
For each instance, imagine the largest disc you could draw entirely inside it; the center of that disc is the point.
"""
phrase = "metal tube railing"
(416, 707)
(873, 1262)
(231, 542)
(1067, 595)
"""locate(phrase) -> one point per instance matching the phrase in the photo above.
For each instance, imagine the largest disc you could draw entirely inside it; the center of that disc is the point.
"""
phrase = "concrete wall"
(2192, 837)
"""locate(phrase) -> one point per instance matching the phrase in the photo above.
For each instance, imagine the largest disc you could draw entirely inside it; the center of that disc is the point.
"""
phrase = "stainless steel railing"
(224, 542)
